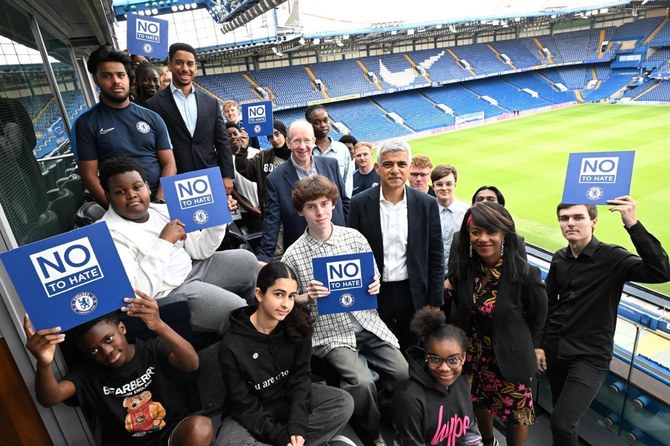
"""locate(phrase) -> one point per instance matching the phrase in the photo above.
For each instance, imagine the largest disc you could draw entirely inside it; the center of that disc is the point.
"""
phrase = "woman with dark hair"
(434, 407)
(265, 358)
(147, 82)
(501, 303)
(488, 193)
(257, 169)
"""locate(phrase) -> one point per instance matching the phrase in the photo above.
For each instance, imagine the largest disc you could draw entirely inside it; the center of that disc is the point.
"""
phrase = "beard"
(116, 98)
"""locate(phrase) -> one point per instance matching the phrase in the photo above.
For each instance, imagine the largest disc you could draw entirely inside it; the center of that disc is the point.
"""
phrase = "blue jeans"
(354, 367)
(574, 385)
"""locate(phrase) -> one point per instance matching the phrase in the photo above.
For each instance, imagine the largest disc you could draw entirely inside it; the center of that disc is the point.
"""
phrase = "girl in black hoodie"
(433, 407)
(264, 358)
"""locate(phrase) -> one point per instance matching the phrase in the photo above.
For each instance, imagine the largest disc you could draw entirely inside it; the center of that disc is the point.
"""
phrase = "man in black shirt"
(584, 287)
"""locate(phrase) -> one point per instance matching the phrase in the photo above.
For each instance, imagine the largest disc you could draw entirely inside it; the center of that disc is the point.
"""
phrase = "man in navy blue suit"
(403, 228)
(279, 209)
(194, 119)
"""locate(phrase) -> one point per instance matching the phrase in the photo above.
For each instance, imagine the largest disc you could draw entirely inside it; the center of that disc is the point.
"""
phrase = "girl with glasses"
(433, 407)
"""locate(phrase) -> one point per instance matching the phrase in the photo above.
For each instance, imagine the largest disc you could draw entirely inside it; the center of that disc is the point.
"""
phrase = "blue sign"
(257, 118)
(70, 278)
(594, 178)
(198, 199)
(147, 36)
(347, 277)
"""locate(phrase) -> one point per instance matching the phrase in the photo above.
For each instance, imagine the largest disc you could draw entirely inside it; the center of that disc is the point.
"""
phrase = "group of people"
(463, 321)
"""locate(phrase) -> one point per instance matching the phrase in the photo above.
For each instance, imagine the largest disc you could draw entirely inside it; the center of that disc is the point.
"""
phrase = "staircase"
(510, 63)
(654, 32)
(458, 61)
(324, 88)
(549, 58)
(377, 83)
(411, 62)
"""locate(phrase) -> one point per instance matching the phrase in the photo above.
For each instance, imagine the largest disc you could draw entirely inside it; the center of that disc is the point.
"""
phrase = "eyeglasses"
(307, 141)
(418, 174)
(453, 361)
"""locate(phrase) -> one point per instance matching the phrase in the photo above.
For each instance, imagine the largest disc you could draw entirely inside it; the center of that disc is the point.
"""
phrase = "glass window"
(33, 133)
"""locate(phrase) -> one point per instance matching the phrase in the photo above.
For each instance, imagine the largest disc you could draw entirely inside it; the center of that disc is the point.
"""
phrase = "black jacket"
(425, 413)
(208, 147)
(257, 169)
(266, 378)
(518, 319)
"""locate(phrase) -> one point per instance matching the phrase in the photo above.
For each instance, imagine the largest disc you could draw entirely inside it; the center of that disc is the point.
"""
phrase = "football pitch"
(526, 158)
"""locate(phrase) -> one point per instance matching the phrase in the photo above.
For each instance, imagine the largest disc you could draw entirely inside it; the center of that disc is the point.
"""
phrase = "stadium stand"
(662, 37)
(462, 101)
(637, 30)
(659, 92)
(343, 78)
(418, 111)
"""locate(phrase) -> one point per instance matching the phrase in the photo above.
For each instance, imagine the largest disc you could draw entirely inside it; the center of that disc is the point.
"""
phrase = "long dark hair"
(299, 323)
(495, 218)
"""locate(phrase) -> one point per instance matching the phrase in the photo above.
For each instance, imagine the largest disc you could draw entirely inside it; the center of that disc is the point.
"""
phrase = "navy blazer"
(425, 252)
(208, 147)
(518, 319)
(280, 211)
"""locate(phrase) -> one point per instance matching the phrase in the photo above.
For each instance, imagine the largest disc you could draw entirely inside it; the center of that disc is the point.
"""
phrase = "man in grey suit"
(403, 228)
(194, 119)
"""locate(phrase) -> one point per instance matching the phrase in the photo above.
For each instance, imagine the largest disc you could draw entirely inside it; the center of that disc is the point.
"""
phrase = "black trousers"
(574, 385)
(396, 308)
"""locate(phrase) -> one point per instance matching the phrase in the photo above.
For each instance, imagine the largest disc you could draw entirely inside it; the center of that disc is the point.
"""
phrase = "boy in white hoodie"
(161, 259)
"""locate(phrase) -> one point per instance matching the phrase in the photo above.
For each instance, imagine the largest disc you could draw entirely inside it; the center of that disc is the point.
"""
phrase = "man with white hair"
(403, 228)
(279, 209)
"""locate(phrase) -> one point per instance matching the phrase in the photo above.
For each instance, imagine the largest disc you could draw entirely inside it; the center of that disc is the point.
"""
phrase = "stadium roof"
(235, 28)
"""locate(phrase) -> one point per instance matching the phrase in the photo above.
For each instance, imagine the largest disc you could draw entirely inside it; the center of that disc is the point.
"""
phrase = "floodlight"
(154, 11)
(187, 6)
(194, 5)
(174, 8)
(316, 41)
(181, 7)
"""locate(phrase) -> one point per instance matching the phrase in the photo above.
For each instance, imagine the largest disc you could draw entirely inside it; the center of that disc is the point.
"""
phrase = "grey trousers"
(331, 409)
(218, 285)
(355, 368)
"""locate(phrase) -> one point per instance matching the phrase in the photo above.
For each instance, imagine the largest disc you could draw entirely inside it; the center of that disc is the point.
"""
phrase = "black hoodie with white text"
(266, 378)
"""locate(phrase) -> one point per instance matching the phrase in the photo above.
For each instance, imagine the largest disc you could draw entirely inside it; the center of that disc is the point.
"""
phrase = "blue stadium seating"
(462, 101)
(662, 38)
(659, 93)
(637, 30)
(418, 111)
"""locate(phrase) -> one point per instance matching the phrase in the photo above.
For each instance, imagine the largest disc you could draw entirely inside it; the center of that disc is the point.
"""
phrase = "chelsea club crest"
(347, 300)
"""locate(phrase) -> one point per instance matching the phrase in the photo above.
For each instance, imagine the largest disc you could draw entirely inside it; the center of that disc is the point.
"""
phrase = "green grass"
(527, 158)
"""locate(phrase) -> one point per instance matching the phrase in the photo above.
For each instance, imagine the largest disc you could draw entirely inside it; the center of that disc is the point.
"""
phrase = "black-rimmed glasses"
(453, 361)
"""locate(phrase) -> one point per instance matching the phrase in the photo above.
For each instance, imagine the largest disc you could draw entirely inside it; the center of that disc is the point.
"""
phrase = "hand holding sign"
(628, 208)
(315, 290)
(42, 344)
(173, 232)
(144, 307)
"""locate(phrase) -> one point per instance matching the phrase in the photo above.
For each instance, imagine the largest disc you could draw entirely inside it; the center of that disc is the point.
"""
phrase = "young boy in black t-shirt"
(124, 384)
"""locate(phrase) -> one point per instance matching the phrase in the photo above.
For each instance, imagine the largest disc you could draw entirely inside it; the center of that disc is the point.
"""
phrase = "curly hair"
(430, 325)
(116, 165)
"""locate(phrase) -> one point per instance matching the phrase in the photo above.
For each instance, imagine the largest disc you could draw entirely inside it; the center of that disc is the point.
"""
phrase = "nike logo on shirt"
(103, 131)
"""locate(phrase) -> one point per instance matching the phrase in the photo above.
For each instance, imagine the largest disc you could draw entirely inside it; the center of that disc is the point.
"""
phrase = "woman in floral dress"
(501, 303)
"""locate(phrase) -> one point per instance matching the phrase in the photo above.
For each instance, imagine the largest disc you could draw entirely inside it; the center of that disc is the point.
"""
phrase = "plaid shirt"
(334, 330)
